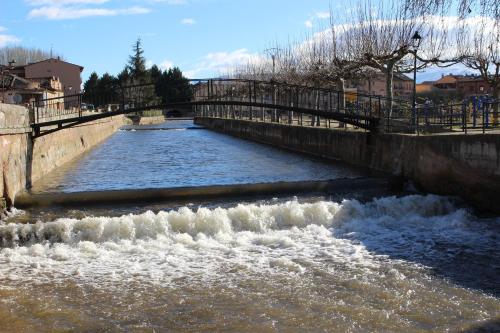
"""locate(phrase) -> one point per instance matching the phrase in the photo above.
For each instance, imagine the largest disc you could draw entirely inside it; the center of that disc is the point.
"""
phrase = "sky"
(202, 37)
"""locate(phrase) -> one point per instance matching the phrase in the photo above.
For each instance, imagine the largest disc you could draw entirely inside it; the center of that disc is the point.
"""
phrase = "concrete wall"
(14, 145)
(53, 150)
(23, 161)
(464, 165)
(148, 120)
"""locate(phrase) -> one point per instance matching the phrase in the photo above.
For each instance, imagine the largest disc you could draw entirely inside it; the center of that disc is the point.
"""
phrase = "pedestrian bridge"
(225, 98)
(267, 101)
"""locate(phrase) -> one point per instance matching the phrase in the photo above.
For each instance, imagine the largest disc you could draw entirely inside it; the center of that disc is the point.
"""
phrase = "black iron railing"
(463, 117)
(270, 101)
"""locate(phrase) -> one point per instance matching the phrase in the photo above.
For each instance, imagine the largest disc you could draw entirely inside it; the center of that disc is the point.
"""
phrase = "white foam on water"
(205, 244)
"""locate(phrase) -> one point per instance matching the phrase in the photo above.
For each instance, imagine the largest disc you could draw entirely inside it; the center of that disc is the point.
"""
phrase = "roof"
(447, 79)
(469, 78)
(59, 60)
(402, 77)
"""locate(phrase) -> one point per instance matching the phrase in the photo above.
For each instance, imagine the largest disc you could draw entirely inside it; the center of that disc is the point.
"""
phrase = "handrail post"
(464, 118)
(483, 121)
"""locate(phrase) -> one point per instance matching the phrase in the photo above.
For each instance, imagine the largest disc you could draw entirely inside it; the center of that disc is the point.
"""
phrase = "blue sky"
(202, 37)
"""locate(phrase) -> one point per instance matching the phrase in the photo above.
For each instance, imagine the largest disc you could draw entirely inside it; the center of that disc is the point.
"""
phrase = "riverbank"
(467, 166)
(25, 161)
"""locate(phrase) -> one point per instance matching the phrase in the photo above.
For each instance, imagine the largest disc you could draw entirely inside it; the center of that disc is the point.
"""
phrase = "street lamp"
(273, 52)
(416, 40)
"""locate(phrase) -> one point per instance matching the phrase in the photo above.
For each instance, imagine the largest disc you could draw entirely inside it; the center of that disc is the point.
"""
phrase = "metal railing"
(112, 99)
(286, 103)
(463, 117)
(272, 101)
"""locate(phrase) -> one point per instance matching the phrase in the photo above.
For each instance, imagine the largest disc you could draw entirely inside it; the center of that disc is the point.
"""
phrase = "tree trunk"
(496, 95)
(341, 101)
(389, 85)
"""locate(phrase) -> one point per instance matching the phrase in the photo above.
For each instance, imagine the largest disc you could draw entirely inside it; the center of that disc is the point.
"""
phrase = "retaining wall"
(23, 161)
(146, 120)
(455, 164)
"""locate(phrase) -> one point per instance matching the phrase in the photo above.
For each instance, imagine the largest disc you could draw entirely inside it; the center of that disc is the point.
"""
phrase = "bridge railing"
(112, 99)
(273, 101)
(282, 102)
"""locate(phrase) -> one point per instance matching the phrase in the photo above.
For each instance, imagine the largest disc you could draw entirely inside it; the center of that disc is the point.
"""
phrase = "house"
(425, 87)
(18, 90)
(464, 85)
(69, 74)
(376, 85)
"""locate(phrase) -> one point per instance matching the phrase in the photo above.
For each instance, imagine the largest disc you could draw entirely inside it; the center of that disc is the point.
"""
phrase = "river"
(311, 263)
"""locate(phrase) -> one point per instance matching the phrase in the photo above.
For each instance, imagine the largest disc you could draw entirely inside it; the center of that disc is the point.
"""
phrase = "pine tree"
(155, 73)
(173, 87)
(124, 77)
(90, 88)
(137, 64)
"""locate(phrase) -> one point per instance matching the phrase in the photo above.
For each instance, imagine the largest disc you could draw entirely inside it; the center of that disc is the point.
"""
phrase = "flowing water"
(178, 154)
(412, 263)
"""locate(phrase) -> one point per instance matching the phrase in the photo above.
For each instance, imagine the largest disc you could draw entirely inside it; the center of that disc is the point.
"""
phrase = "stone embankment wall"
(23, 161)
(151, 120)
(464, 165)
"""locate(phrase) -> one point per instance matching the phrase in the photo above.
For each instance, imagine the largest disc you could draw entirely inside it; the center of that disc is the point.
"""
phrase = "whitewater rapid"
(248, 239)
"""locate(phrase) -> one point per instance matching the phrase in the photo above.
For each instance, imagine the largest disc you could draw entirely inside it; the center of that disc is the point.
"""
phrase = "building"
(69, 74)
(425, 87)
(376, 85)
(463, 85)
(17, 90)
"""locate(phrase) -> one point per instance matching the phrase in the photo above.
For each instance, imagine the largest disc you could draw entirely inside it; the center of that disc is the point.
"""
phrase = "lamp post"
(272, 52)
(416, 40)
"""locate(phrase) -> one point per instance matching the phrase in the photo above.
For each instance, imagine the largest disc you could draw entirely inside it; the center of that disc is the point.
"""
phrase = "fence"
(463, 117)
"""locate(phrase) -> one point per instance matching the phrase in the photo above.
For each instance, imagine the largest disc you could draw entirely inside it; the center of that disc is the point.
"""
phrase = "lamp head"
(417, 39)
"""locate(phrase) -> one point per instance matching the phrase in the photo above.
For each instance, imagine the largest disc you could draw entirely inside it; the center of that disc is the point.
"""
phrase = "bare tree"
(479, 44)
(479, 41)
(22, 55)
(382, 37)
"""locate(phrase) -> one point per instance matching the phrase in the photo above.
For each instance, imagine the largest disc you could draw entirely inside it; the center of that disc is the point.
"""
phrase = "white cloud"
(308, 24)
(171, 2)
(323, 15)
(219, 63)
(166, 64)
(7, 39)
(64, 2)
(188, 21)
(67, 13)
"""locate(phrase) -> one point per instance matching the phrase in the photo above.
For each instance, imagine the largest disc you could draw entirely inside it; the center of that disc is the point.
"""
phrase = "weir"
(337, 186)
(307, 119)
